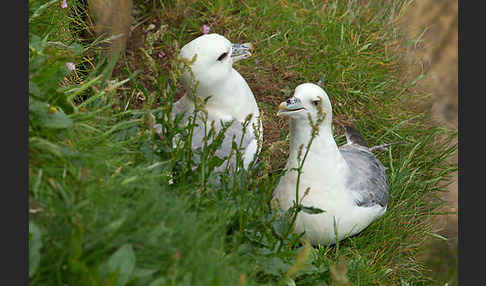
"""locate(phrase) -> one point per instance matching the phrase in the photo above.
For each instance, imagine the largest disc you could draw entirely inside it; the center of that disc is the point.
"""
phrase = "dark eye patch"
(316, 102)
(223, 55)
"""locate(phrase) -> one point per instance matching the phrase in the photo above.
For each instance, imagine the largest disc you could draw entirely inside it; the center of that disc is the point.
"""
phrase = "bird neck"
(231, 96)
(323, 151)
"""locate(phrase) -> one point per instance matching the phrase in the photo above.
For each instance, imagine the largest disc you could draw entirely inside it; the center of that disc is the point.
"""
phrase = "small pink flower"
(70, 66)
(63, 4)
(205, 29)
(161, 54)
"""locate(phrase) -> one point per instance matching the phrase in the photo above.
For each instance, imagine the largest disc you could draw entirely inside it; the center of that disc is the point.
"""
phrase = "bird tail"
(353, 136)
(383, 147)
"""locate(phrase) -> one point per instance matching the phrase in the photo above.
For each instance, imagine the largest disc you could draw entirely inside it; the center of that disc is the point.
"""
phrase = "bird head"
(308, 100)
(210, 59)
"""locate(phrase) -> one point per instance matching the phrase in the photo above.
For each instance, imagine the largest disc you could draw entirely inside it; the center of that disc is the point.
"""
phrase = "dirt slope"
(435, 22)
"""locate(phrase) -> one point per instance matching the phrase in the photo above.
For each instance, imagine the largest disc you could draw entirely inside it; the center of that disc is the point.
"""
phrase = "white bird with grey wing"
(348, 183)
(211, 74)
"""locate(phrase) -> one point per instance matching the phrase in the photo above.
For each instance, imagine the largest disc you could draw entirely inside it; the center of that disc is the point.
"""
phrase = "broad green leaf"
(287, 281)
(34, 89)
(274, 266)
(122, 262)
(159, 282)
(49, 117)
(76, 241)
(46, 145)
(36, 43)
(114, 226)
(58, 120)
(35, 244)
(141, 276)
(140, 273)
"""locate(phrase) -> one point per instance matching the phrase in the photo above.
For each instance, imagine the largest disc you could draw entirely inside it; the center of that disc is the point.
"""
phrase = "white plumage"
(348, 183)
(211, 74)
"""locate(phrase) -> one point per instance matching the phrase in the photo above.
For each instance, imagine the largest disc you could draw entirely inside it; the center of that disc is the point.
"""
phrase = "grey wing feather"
(183, 105)
(353, 136)
(233, 132)
(367, 178)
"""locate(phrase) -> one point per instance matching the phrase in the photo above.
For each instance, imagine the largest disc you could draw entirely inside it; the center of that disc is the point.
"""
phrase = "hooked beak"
(241, 51)
(292, 104)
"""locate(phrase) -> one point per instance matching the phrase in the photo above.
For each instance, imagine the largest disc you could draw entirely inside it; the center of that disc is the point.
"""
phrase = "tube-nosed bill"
(241, 51)
(292, 104)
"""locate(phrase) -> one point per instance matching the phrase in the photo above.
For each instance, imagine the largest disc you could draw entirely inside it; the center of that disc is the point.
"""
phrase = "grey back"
(367, 178)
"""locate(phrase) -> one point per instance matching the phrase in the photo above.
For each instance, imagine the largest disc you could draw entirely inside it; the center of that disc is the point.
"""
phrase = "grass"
(102, 210)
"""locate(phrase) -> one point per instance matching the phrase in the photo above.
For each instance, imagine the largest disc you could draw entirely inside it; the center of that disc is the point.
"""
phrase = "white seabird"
(211, 74)
(348, 183)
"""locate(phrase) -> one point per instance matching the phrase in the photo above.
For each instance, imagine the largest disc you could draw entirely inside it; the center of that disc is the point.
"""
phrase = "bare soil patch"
(436, 23)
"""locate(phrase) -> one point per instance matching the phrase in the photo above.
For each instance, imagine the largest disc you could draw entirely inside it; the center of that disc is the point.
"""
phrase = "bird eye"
(223, 55)
(316, 102)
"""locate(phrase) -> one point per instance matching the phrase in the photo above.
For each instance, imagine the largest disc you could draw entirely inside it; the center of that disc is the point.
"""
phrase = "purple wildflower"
(63, 4)
(205, 29)
(70, 66)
